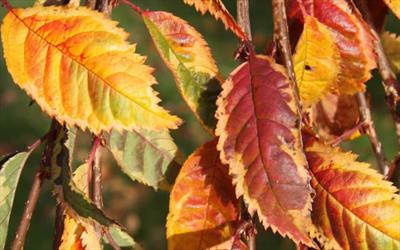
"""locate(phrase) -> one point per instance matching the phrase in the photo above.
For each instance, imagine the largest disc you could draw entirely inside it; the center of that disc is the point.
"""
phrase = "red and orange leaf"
(335, 115)
(352, 38)
(187, 55)
(259, 139)
(219, 11)
(394, 5)
(203, 209)
(354, 206)
(77, 65)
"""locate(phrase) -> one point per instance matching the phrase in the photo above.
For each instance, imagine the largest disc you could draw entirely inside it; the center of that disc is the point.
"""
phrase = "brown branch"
(390, 84)
(59, 226)
(244, 22)
(370, 131)
(30, 205)
(243, 17)
(281, 37)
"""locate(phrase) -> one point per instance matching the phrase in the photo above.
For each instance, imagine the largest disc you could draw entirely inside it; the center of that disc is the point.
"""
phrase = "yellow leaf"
(78, 66)
(394, 5)
(391, 45)
(316, 62)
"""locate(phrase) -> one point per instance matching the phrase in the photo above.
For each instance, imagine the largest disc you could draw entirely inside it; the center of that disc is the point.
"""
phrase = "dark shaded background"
(139, 208)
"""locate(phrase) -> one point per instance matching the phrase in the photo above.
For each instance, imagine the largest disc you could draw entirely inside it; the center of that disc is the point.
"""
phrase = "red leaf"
(260, 141)
(203, 208)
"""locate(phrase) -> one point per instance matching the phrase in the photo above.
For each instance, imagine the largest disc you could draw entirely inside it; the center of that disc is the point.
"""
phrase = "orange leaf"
(259, 139)
(203, 209)
(77, 65)
(354, 207)
(218, 10)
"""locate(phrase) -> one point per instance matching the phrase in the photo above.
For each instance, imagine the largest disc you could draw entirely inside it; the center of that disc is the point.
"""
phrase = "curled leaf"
(316, 62)
(80, 69)
(354, 206)
(219, 11)
(259, 139)
(203, 209)
(334, 115)
(187, 55)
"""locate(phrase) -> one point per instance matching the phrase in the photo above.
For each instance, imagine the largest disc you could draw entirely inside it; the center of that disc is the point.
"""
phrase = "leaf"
(143, 155)
(394, 5)
(80, 69)
(353, 206)
(10, 171)
(122, 238)
(203, 209)
(188, 57)
(316, 62)
(219, 11)
(391, 46)
(334, 115)
(78, 234)
(352, 38)
(260, 141)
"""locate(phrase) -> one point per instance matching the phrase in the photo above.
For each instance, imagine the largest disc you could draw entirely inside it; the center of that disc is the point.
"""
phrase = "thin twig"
(133, 6)
(59, 226)
(370, 130)
(390, 84)
(244, 22)
(281, 37)
(243, 17)
(30, 205)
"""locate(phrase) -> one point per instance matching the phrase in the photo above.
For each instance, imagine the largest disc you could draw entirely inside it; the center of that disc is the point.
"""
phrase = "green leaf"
(10, 171)
(146, 156)
(121, 238)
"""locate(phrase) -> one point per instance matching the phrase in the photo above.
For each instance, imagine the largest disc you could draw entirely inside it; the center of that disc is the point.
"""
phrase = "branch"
(369, 128)
(281, 37)
(389, 81)
(30, 205)
(243, 17)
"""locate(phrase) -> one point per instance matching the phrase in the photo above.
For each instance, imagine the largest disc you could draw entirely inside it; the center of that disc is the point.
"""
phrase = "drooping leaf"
(354, 207)
(316, 62)
(394, 5)
(203, 209)
(377, 10)
(143, 155)
(122, 238)
(10, 171)
(219, 11)
(257, 125)
(352, 38)
(391, 46)
(80, 69)
(334, 115)
(187, 55)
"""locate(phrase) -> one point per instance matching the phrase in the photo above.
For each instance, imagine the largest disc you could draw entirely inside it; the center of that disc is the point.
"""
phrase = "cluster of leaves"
(77, 66)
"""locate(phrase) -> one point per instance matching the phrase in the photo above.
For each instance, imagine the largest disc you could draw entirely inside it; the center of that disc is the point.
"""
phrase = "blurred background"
(142, 210)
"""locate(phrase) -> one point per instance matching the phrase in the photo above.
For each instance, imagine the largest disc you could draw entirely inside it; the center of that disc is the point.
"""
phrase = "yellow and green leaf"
(187, 55)
(77, 65)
